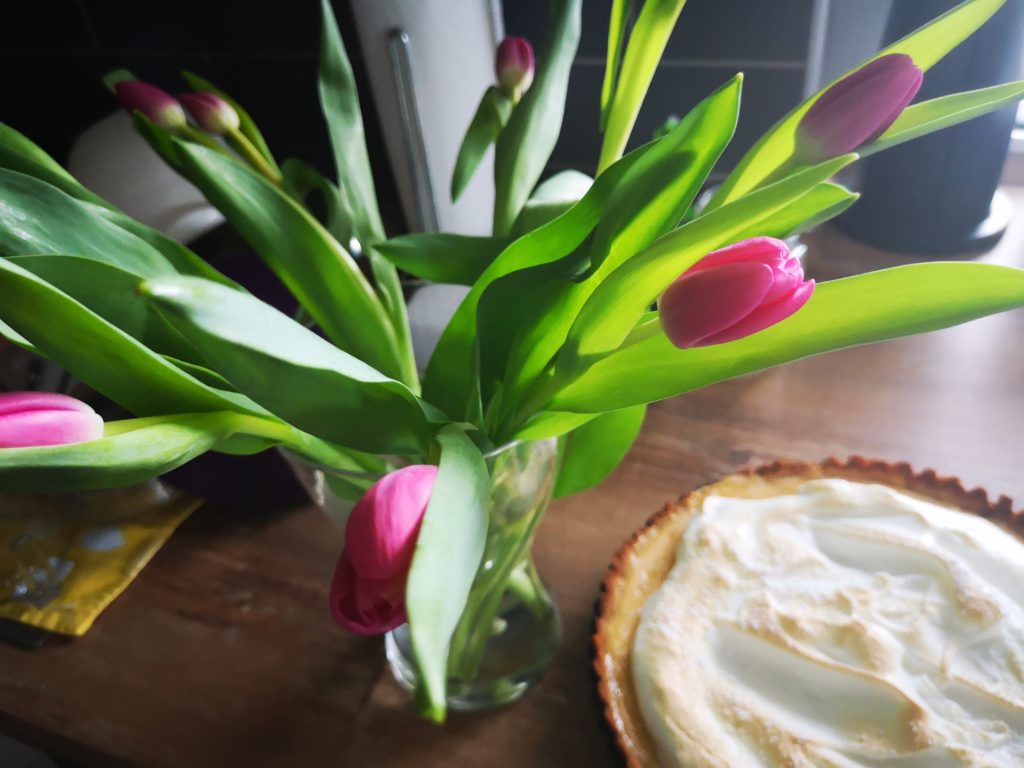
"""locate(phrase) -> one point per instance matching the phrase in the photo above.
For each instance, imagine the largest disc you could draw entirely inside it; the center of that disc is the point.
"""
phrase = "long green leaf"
(595, 449)
(618, 303)
(302, 178)
(109, 291)
(822, 203)
(442, 257)
(152, 448)
(138, 449)
(291, 371)
(925, 46)
(647, 42)
(449, 548)
(36, 218)
(928, 116)
(526, 143)
(339, 100)
(314, 266)
(183, 259)
(551, 199)
(842, 313)
(490, 118)
(452, 378)
(19, 153)
(101, 355)
(246, 125)
(648, 202)
(613, 61)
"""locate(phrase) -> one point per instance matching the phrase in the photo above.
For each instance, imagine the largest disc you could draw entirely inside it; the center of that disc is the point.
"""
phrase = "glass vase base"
(519, 650)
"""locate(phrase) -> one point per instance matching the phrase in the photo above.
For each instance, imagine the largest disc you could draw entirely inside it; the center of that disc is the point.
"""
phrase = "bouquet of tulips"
(590, 299)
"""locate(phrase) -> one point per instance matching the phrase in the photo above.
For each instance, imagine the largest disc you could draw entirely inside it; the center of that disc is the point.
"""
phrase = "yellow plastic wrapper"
(64, 557)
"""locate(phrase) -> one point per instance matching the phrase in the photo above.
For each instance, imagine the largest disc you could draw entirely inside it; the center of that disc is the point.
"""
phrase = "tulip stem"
(248, 152)
(193, 134)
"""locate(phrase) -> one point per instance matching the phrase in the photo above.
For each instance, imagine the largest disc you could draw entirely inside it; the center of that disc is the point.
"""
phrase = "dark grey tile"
(767, 95)
(269, 26)
(750, 30)
(44, 24)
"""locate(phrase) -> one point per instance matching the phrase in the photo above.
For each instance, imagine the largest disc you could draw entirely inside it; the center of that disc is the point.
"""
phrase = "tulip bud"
(515, 66)
(734, 292)
(159, 106)
(44, 418)
(858, 109)
(211, 112)
(368, 591)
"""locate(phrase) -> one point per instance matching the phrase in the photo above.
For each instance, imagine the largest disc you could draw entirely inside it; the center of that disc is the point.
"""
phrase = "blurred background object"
(939, 195)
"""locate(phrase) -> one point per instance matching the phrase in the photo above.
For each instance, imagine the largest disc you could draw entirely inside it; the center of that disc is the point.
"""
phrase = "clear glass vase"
(510, 629)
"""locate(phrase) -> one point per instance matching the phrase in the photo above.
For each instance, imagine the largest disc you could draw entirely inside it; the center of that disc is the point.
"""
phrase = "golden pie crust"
(644, 561)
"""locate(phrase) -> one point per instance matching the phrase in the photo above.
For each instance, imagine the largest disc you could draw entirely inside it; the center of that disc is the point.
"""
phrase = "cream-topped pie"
(838, 614)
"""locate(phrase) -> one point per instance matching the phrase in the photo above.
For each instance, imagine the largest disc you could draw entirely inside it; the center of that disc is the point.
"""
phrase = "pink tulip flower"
(159, 106)
(368, 591)
(734, 292)
(43, 418)
(515, 65)
(211, 112)
(858, 109)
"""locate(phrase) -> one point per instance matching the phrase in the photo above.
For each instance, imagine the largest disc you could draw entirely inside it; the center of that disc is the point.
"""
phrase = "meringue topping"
(845, 625)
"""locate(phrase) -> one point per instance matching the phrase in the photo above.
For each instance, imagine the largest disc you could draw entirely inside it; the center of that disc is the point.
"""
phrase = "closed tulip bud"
(211, 112)
(159, 106)
(858, 109)
(368, 591)
(43, 418)
(515, 66)
(734, 292)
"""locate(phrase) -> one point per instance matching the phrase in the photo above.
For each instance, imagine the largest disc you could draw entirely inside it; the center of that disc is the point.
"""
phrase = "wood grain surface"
(222, 653)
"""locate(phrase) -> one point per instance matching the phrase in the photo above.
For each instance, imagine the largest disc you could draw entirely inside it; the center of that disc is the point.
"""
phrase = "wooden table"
(223, 654)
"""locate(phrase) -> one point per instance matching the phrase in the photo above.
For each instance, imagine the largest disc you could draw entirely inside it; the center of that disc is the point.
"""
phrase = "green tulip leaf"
(109, 291)
(442, 257)
(647, 41)
(487, 124)
(617, 22)
(841, 313)
(17, 339)
(302, 179)
(595, 449)
(452, 381)
(925, 46)
(449, 548)
(551, 199)
(943, 112)
(517, 341)
(314, 266)
(36, 218)
(19, 153)
(132, 455)
(823, 202)
(339, 100)
(291, 371)
(104, 357)
(546, 424)
(524, 147)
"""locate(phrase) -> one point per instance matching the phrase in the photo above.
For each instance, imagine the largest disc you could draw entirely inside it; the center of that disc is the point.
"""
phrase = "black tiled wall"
(53, 53)
(263, 52)
(765, 39)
